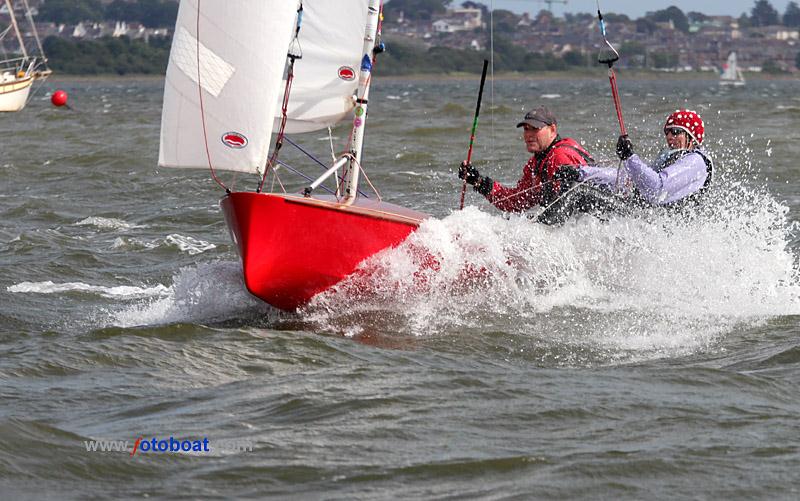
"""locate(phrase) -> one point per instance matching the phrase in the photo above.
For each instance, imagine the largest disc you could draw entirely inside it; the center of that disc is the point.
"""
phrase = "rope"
(202, 107)
(281, 131)
(369, 182)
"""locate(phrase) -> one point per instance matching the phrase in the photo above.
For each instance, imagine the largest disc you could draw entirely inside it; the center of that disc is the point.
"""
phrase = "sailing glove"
(484, 186)
(481, 184)
(468, 173)
(624, 147)
(568, 173)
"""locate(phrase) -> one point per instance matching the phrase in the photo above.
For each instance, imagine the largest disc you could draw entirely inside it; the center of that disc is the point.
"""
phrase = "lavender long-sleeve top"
(681, 179)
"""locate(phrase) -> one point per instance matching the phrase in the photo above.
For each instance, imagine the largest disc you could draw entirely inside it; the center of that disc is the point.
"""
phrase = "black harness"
(696, 197)
(549, 192)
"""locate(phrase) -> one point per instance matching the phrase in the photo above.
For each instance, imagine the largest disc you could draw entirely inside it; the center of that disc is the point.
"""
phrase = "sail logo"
(234, 140)
(347, 73)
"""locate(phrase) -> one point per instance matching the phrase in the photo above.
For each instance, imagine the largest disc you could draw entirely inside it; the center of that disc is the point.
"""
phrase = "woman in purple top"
(678, 175)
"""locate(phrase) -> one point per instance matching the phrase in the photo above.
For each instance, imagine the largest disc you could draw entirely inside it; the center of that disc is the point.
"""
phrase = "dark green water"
(627, 358)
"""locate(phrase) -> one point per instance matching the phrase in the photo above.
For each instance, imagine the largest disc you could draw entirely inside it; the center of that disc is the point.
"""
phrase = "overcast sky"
(634, 9)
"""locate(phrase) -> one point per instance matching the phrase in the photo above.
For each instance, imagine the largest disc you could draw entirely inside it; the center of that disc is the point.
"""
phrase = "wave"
(657, 285)
(187, 244)
(115, 292)
(200, 293)
(107, 223)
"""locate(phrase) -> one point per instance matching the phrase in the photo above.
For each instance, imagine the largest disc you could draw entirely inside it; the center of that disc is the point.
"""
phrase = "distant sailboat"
(19, 72)
(731, 74)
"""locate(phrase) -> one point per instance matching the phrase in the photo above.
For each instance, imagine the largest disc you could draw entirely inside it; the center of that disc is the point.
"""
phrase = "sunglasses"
(675, 131)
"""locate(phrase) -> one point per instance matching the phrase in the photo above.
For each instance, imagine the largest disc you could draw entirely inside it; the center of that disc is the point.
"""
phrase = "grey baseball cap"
(538, 118)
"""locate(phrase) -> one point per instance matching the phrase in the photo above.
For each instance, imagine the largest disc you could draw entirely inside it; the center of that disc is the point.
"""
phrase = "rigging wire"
(35, 33)
(491, 80)
(318, 161)
(299, 173)
(293, 53)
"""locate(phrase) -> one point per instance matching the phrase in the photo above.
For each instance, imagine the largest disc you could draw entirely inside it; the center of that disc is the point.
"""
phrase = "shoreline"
(594, 73)
(549, 75)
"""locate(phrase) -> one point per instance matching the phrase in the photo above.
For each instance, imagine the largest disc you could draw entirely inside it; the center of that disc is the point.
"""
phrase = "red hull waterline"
(293, 247)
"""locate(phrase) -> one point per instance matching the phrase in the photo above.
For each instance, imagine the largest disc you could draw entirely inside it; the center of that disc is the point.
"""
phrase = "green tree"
(505, 21)
(697, 17)
(107, 56)
(791, 17)
(476, 5)
(157, 13)
(580, 17)
(612, 18)
(71, 11)
(771, 67)
(508, 57)
(744, 21)
(665, 60)
(644, 25)
(674, 14)
(764, 14)
(122, 10)
(415, 9)
(543, 17)
(151, 13)
(574, 58)
(632, 48)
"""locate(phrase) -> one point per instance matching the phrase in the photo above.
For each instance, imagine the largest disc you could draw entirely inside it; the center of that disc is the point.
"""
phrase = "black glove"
(484, 186)
(624, 147)
(468, 173)
(568, 173)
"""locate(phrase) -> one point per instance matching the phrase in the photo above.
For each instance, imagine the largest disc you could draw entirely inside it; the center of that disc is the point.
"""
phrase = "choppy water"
(630, 358)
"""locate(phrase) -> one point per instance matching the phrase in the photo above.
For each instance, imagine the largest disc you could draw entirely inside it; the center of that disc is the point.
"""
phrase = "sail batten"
(224, 80)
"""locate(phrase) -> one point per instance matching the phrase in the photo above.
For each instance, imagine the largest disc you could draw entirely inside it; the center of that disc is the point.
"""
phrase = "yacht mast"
(35, 33)
(16, 28)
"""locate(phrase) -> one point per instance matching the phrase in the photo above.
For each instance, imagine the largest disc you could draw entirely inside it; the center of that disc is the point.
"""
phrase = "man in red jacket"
(546, 176)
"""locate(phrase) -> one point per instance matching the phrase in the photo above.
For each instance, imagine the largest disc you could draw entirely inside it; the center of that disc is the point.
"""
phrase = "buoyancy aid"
(546, 165)
(670, 157)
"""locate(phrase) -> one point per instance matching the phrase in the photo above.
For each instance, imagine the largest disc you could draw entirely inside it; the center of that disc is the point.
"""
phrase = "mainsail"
(241, 47)
(326, 78)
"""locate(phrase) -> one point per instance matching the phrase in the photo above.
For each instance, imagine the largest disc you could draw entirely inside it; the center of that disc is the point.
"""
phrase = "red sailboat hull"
(293, 247)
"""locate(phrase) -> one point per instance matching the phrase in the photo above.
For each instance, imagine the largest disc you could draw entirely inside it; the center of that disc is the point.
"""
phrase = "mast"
(29, 16)
(16, 28)
(362, 98)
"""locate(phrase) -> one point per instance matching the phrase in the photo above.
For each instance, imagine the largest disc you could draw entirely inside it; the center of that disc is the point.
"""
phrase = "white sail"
(729, 71)
(731, 74)
(326, 78)
(241, 49)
